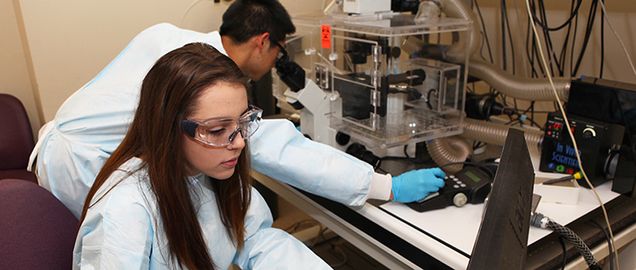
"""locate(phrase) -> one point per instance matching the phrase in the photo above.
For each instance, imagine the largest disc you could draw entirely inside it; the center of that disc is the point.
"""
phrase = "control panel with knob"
(469, 185)
(595, 141)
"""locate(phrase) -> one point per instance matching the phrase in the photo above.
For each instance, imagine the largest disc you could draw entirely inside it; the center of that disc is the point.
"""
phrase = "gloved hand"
(414, 185)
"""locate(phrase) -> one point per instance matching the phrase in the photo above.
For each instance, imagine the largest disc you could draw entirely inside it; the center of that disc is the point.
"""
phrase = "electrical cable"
(504, 50)
(573, 13)
(620, 40)
(600, 73)
(574, 144)
(483, 28)
(546, 35)
(576, 25)
(548, 40)
(609, 242)
(588, 34)
(540, 221)
(194, 3)
(530, 57)
(531, 118)
(532, 103)
(541, 111)
(566, 40)
(514, 101)
(564, 257)
(512, 45)
(535, 40)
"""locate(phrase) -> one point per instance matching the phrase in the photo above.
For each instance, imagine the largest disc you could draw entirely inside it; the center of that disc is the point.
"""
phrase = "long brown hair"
(168, 94)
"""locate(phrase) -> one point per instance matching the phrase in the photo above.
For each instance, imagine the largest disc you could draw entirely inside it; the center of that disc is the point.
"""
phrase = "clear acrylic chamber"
(388, 74)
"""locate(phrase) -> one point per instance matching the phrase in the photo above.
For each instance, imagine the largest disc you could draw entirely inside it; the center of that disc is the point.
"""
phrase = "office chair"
(16, 139)
(36, 230)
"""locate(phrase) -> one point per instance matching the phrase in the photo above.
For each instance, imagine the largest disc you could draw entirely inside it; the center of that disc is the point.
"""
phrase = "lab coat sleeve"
(119, 236)
(279, 151)
(92, 122)
(269, 248)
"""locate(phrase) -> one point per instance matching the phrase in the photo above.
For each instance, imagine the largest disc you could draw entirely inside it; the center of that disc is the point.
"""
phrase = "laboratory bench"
(401, 238)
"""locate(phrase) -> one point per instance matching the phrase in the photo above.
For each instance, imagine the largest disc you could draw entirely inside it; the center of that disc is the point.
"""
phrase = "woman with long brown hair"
(176, 193)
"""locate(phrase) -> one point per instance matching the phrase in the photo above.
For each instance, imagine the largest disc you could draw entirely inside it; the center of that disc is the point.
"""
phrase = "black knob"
(342, 139)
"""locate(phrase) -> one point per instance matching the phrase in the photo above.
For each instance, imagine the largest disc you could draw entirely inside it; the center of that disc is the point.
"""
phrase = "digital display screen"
(472, 176)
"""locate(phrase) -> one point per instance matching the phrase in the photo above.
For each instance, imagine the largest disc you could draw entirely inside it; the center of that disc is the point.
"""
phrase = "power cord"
(620, 40)
(564, 257)
(187, 11)
(540, 221)
(609, 243)
(569, 129)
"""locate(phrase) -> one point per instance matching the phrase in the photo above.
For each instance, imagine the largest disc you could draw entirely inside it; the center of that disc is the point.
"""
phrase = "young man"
(92, 122)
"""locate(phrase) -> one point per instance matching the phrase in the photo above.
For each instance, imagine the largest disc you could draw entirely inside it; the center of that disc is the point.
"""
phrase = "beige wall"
(69, 41)
(14, 74)
(72, 40)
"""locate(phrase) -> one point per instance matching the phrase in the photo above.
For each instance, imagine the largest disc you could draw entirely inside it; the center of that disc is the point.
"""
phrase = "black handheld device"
(469, 185)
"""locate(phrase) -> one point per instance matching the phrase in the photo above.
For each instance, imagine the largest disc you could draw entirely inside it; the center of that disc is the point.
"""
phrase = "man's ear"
(261, 40)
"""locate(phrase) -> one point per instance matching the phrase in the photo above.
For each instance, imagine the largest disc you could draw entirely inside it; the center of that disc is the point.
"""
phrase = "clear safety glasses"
(221, 132)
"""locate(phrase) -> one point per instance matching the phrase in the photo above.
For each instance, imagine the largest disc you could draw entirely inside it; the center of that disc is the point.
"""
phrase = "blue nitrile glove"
(414, 185)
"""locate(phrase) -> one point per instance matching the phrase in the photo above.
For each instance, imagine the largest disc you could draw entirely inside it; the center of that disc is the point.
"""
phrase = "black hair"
(247, 18)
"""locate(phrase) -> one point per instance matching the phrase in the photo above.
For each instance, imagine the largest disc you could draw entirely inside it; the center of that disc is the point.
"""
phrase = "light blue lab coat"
(91, 123)
(123, 230)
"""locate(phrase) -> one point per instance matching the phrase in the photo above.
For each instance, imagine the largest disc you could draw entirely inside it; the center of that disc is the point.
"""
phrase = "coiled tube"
(449, 150)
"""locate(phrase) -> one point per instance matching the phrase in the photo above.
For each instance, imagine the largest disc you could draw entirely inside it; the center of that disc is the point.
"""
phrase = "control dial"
(460, 199)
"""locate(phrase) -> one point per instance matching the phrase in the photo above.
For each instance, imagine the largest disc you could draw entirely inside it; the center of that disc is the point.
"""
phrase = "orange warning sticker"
(325, 36)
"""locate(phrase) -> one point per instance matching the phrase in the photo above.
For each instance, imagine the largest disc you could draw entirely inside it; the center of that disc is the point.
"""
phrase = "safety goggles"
(221, 132)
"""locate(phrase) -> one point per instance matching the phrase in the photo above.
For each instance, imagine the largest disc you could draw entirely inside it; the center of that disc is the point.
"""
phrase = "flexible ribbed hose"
(508, 84)
(457, 9)
(449, 150)
(494, 133)
(518, 87)
(454, 149)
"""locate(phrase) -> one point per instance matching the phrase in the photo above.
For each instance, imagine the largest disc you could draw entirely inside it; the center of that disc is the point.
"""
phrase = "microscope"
(368, 82)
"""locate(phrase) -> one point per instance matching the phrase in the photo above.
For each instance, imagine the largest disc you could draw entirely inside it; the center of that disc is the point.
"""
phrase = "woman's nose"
(238, 142)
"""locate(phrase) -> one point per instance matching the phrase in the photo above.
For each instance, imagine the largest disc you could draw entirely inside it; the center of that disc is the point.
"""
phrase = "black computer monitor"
(502, 241)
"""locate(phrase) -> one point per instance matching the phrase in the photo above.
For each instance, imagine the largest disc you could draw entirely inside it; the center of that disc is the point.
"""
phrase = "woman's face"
(222, 101)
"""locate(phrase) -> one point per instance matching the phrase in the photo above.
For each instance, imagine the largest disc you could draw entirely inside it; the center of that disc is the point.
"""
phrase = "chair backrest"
(16, 136)
(36, 230)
